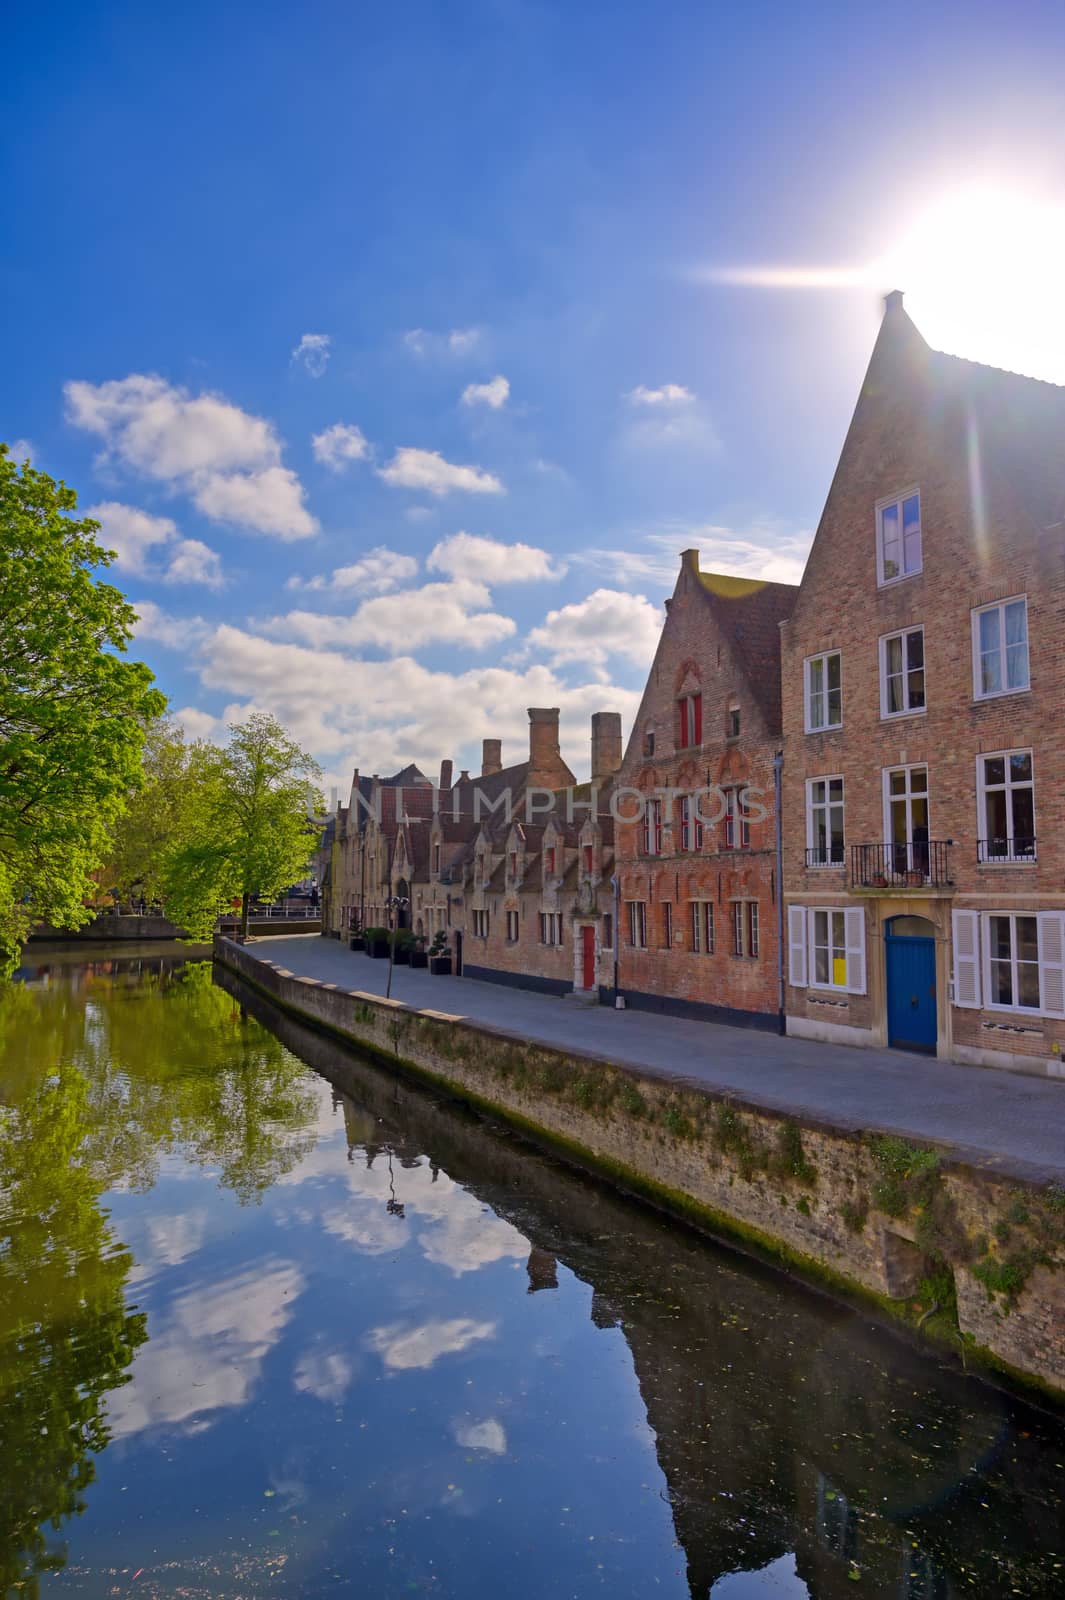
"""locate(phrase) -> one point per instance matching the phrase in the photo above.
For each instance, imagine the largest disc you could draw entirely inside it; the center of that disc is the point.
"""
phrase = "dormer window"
(732, 725)
(649, 742)
(689, 721)
(898, 538)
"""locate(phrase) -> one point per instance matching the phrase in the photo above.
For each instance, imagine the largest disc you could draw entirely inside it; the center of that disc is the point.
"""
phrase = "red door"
(588, 955)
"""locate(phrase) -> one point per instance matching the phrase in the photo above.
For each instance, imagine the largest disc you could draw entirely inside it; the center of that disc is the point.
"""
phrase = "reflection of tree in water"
(66, 1336)
(101, 1074)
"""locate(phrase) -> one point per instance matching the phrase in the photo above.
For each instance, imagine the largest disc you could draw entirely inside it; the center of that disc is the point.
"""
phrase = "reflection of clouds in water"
(778, 1581)
(325, 1374)
(171, 1240)
(373, 1232)
(208, 1351)
(488, 1435)
(402, 1347)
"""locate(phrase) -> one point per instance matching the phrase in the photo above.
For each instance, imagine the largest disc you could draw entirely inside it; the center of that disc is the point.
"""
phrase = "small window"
(550, 928)
(1013, 962)
(667, 925)
(589, 859)
(745, 928)
(736, 821)
(824, 691)
(436, 858)
(898, 538)
(824, 822)
(689, 721)
(902, 682)
(1000, 648)
(512, 927)
(702, 915)
(549, 861)
(1006, 791)
(480, 924)
(732, 725)
(649, 743)
(652, 828)
(608, 932)
(691, 825)
(513, 863)
(638, 924)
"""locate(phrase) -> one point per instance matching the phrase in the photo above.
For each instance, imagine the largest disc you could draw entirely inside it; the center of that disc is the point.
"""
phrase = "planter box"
(357, 942)
(378, 949)
(440, 965)
(418, 958)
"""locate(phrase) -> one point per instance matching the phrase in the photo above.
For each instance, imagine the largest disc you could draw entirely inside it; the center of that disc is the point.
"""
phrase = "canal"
(275, 1324)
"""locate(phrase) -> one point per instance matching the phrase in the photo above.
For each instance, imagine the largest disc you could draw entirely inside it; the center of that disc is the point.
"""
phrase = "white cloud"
(270, 501)
(405, 1348)
(670, 394)
(192, 561)
(135, 536)
(376, 572)
(463, 340)
(325, 1374)
(489, 1435)
(768, 551)
(173, 633)
(339, 445)
(469, 555)
(226, 459)
(610, 622)
(458, 342)
(196, 724)
(494, 394)
(21, 450)
(426, 470)
(453, 613)
(313, 352)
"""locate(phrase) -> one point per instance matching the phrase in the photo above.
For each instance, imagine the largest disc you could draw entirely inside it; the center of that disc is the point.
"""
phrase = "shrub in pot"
(404, 942)
(377, 943)
(440, 955)
(418, 954)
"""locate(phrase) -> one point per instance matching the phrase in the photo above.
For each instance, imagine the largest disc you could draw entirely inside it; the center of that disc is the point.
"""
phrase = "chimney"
(606, 744)
(689, 561)
(464, 776)
(491, 757)
(893, 301)
(545, 757)
(446, 770)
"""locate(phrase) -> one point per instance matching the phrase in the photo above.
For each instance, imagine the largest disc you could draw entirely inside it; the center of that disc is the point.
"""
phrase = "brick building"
(923, 675)
(696, 853)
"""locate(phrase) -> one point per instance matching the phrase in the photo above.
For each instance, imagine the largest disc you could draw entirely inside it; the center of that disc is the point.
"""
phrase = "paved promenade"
(1009, 1118)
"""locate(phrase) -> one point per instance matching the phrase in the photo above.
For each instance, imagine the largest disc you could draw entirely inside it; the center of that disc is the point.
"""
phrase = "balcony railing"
(825, 855)
(920, 863)
(1007, 850)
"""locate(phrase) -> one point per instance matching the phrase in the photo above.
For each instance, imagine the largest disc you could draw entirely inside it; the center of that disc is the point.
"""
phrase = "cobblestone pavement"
(1008, 1117)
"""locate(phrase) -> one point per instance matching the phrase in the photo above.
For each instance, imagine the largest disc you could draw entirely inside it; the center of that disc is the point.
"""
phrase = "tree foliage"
(246, 826)
(156, 815)
(73, 710)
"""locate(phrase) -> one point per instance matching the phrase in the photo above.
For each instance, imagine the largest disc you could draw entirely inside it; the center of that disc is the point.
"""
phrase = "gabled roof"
(747, 613)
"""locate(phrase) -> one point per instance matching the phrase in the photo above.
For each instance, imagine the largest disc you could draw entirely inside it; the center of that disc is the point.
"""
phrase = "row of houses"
(839, 809)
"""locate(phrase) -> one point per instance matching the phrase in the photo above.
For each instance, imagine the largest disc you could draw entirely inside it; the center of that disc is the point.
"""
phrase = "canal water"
(275, 1324)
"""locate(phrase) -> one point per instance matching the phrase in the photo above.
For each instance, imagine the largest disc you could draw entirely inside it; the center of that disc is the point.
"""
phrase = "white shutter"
(967, 959)
(854, 929)
(1051, 964)
(797, 946)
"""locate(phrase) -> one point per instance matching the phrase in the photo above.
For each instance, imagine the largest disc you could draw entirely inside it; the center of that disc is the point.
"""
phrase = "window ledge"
(903, 577)
(1000, 694)
(903, 716)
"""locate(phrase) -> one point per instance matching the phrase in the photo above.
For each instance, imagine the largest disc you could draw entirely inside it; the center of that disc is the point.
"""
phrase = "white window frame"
(551, 928)
(513, 927)
(907, 710)
(826, 805)
(823, 657)
(667, 924)
(851, 950)
(480, 923)
(886, 504)
(908, 796)
(1011, 917)
(745, 929)
(702, 927)
(972, 962)
(979, 692)
(637, 924)
(1007, 788)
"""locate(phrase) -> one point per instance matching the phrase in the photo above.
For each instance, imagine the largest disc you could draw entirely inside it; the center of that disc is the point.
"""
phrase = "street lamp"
(395, 903)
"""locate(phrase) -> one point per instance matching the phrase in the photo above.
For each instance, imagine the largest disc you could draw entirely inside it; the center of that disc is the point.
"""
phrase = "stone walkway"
(1012, 1120)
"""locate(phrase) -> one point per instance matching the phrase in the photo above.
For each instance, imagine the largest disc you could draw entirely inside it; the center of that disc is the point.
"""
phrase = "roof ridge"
(1001, 372)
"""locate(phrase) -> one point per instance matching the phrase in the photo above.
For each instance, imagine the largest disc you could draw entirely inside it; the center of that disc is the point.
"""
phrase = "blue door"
(911, 991)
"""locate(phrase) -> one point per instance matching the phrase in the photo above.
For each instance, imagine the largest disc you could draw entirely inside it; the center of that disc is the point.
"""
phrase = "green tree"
(247, 827)
(155, 816)
(73, 711)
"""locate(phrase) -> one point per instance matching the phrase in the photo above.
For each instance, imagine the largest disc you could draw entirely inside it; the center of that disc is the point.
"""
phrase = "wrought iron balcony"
(826, 855)
(1006, 850)
(918, 864)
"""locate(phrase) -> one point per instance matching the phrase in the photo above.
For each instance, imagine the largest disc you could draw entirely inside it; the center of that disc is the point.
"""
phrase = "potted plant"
(357, 940)
(440, 955)
(914, 877)
(404, 944)
(418, 954)
(878, 881)
(377, 943)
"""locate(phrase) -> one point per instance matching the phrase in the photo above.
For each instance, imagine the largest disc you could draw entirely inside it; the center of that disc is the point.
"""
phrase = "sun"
(983, 271)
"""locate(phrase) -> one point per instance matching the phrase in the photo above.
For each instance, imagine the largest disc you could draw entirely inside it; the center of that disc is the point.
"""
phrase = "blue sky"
(494, 236)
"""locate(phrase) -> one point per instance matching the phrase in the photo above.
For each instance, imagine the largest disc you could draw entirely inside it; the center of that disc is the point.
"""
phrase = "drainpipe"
(778, 771)
(615, 884)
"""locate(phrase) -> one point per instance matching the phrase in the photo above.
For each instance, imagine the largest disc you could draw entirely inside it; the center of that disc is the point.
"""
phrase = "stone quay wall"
(967, 1254)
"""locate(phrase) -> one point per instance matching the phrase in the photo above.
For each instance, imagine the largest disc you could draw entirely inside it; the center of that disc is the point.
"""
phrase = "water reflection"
(280, 1335)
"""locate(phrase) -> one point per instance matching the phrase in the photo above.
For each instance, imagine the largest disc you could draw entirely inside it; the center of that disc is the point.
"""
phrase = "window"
(649, 742)
(689, 721)
(607, 940)
(898, 538)
(589, 859)
(652, 828)
(480, 924)
(745, 927)
(1013, 962)
(1023, 966)
(549, 861)
(902, 673)
(1006, 792)
(826, 948)
(691, 825)
(824, 822)
(702, 914)
(638, 924)
(436, 858)
(550, 927)
(737, 824)
(667, 925)
(732, 724)
(1000, 648)
(829, 948)
(513, 863)
(906, 818)
(512, 927)
(824, 691)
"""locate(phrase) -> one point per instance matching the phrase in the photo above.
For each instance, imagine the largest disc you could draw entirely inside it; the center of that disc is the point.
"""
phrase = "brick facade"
(978, 456)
